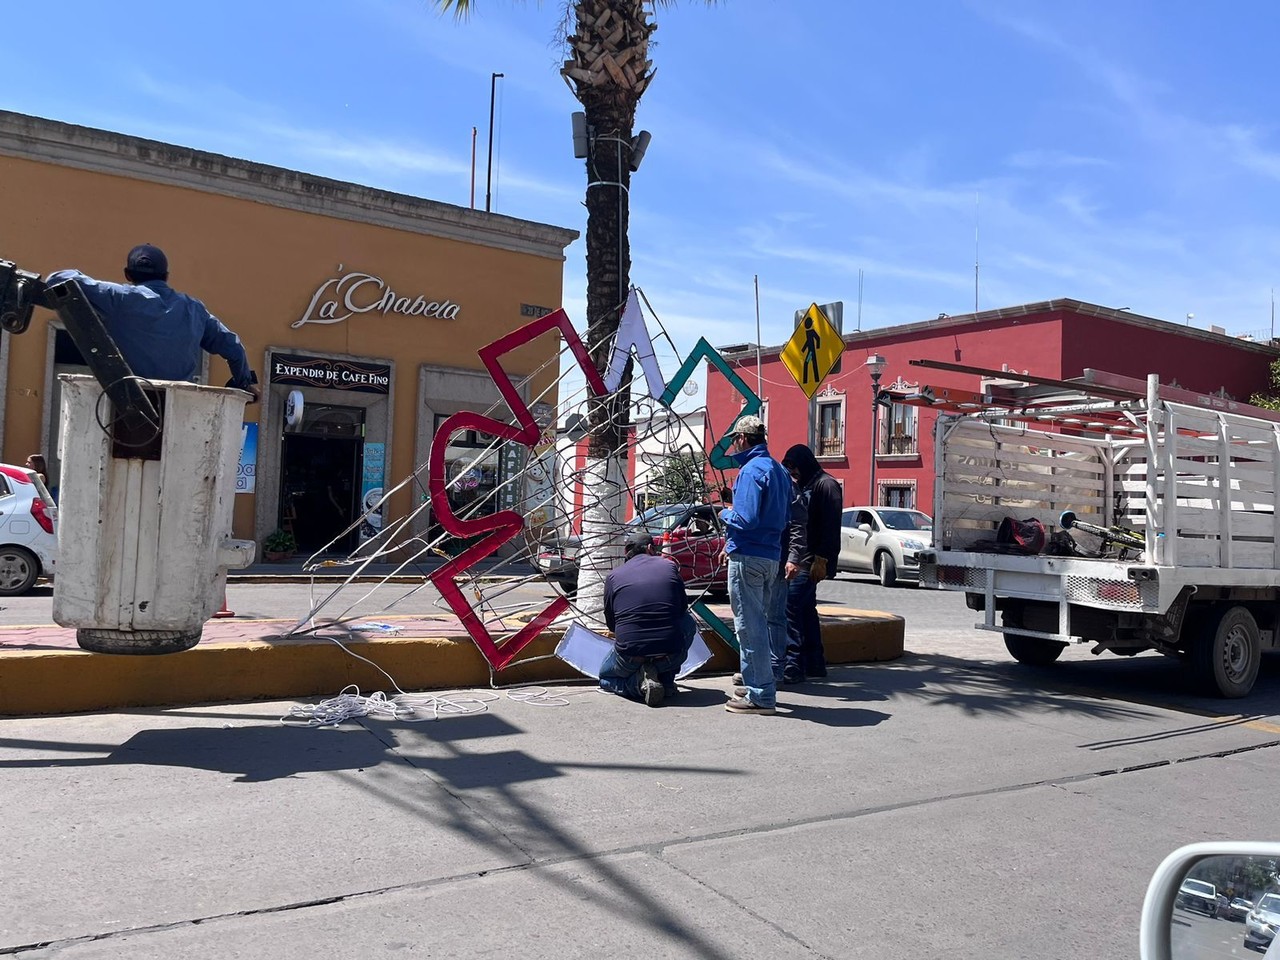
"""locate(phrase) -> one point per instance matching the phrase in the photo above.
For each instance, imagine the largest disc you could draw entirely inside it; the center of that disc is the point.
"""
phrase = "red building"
(1057, 339)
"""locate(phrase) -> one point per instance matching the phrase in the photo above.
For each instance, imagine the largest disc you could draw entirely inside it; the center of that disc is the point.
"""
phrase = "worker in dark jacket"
(810, 562)
(646, 607)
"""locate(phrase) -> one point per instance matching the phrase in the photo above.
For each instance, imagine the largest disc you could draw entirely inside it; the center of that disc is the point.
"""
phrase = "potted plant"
(278, 546)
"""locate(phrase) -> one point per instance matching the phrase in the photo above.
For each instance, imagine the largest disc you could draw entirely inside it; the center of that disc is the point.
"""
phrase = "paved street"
(950, 803)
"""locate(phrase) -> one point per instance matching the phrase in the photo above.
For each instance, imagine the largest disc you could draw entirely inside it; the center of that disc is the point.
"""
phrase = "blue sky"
(1125, 154)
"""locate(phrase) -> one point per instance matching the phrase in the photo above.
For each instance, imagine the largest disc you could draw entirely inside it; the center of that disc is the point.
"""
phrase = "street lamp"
(875, 366)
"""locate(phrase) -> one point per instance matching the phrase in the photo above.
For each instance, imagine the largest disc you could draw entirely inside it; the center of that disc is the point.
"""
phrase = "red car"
(691, 535)
(688, 533)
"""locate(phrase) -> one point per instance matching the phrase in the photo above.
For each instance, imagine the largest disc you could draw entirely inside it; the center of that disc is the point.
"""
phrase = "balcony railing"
(831, 446)
(898, 444)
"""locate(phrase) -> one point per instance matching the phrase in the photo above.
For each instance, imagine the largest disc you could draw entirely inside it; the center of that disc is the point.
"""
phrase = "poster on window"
(247, 468)
(375, 455)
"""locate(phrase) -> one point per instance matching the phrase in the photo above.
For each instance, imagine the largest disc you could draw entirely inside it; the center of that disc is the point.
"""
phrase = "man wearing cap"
(646, 607)
(160, 332)
(753, 525)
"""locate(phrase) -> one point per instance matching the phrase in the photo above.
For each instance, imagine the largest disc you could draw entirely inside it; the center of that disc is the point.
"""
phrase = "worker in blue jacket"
(159, 331)
(753, 545)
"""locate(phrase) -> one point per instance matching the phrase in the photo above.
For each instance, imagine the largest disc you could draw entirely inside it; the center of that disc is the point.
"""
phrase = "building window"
(473, 472)
(902, 495)
(898, 431)
(830, 428)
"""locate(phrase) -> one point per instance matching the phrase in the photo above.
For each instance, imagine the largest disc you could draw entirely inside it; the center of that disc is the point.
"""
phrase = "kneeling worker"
(646, 607)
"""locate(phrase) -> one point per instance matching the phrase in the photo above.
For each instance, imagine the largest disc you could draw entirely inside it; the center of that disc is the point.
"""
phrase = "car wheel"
(19, 570)
(887, 569)
(1226, 653)
(568, 587)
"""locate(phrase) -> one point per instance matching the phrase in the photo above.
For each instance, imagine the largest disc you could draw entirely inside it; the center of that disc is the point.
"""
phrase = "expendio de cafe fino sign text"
(342, 297)
(330, 372)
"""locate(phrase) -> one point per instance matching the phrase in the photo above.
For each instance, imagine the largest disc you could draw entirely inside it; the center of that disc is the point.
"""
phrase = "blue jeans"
(753, 587)
(805, 655)
(621, 675)
(777, 617)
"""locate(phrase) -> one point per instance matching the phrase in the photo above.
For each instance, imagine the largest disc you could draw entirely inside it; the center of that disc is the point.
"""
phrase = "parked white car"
(884, 541)
(28, 532)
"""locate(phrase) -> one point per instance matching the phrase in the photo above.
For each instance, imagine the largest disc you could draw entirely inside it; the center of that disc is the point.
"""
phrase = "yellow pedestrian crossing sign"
(812, 350)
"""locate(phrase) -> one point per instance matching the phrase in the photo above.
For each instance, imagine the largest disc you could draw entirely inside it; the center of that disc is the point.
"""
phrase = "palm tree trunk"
(609, 69)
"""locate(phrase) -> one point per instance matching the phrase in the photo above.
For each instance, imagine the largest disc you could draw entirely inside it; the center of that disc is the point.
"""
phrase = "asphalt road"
(947, 804)
(1198, 937)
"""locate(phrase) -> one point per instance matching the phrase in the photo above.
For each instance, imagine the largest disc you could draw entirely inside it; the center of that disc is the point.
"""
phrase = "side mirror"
(1182, 909)
(865, 528)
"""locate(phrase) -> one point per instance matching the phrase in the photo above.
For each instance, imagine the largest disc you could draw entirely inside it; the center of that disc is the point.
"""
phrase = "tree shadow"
(976, 689)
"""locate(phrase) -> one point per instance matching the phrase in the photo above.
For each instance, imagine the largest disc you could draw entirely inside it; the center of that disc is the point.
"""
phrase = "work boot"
(651, 691)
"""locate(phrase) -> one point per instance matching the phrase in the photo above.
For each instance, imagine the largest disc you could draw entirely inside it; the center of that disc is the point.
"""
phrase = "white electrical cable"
(406, 707)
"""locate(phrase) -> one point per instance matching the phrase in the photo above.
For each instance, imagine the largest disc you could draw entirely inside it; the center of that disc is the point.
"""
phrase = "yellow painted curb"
(34, 682)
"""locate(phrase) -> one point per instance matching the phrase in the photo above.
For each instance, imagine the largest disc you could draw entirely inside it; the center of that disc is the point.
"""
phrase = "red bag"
(1021, 536)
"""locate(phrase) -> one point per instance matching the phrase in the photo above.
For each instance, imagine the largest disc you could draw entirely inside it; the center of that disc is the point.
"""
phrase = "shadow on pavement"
(1106, 687)
(974, 688)
(842, 716)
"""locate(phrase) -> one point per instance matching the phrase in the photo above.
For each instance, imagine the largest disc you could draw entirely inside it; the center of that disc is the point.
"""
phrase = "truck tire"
(886, 568)
(1226, 653)
(1033, 651)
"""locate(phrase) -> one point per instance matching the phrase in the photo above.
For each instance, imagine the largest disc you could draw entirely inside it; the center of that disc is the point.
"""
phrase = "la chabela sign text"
(342, 297)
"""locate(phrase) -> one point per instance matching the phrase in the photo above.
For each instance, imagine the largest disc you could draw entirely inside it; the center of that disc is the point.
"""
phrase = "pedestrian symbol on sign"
(813, 350)
(811, 344)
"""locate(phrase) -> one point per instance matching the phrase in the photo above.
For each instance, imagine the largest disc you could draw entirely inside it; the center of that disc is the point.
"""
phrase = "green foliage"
(680, 479)
(280, 541)
(1271, 399)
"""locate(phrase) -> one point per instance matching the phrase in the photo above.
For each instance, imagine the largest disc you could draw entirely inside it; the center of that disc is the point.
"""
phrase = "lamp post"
(875, 366)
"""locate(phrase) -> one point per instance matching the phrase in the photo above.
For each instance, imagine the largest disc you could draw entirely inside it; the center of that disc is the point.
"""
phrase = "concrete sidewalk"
(43, 671)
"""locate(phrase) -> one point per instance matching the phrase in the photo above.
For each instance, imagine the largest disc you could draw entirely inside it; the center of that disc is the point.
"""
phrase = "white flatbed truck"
(1195, 477)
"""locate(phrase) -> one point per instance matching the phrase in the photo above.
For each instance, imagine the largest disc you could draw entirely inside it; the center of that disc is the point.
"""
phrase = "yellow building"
(366, 306)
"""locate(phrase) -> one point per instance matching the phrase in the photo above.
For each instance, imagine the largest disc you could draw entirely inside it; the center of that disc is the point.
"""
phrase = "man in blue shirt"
(646, 607)
(754, 524)
(160, 332)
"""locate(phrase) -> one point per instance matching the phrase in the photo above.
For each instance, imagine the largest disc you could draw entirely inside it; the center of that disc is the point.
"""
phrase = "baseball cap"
(639, 539)
(749, 425)
(147, 259)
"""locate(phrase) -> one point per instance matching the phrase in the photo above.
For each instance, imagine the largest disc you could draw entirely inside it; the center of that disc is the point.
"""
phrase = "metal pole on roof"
(759, 374)
(488, 182)
(975, 253)
(859, 299)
